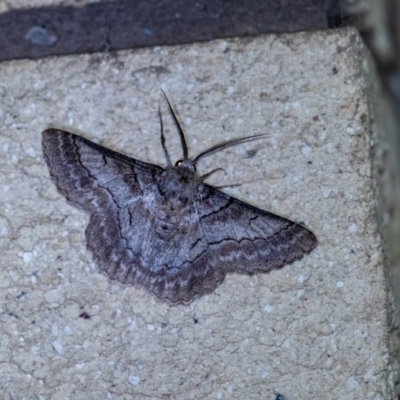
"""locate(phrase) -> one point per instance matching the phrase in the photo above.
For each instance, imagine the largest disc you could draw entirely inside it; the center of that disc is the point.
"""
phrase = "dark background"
(116, 25)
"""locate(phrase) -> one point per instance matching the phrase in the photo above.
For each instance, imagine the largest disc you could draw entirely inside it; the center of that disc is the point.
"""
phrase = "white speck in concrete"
(188, 121)
(339, 284)
(31, 152)
(300, 279)
(133, 380)
(150, 327)
(230, 90)
(326, 191)
(352, 383)
(223, 46)
(353, 228)
(268, 308)
(27, 257)
(71, 118)
(6, 188)
(13, 273)
(132, 325)
(54, 329)
(6, 147)
(369, 375)
(58, 347)
(350, 130)
(35, 349)
(67, 331)
(264, 374)
(60, 274)
(306, 150)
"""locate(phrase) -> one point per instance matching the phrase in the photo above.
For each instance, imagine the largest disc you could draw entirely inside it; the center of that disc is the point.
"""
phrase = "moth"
(165, 229)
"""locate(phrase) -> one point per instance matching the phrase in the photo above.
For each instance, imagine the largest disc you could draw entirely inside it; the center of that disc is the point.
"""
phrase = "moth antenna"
(181, 134)
(163, 139)
(224, 145)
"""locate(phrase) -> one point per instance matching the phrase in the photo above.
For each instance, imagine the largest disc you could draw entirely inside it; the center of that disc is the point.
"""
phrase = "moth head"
(187, 165)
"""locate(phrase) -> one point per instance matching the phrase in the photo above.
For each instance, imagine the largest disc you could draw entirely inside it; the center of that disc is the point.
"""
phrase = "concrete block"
(315, 329)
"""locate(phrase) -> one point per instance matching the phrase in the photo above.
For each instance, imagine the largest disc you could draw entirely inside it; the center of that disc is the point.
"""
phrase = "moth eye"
(178, 163)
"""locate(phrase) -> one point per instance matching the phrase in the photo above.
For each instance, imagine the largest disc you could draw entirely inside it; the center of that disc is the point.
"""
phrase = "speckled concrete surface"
(314, 329)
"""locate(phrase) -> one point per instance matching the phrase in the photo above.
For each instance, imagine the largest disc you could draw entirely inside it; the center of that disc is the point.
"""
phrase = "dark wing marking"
(93, 177)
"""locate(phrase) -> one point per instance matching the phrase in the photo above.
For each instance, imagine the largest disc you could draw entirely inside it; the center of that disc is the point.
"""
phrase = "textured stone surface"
(315, 329)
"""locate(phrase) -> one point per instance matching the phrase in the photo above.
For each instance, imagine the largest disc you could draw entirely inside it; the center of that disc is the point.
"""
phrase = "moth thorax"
(176, 185)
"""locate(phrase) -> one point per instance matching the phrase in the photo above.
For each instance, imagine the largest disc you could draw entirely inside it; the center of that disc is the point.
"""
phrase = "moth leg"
(206, 175)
